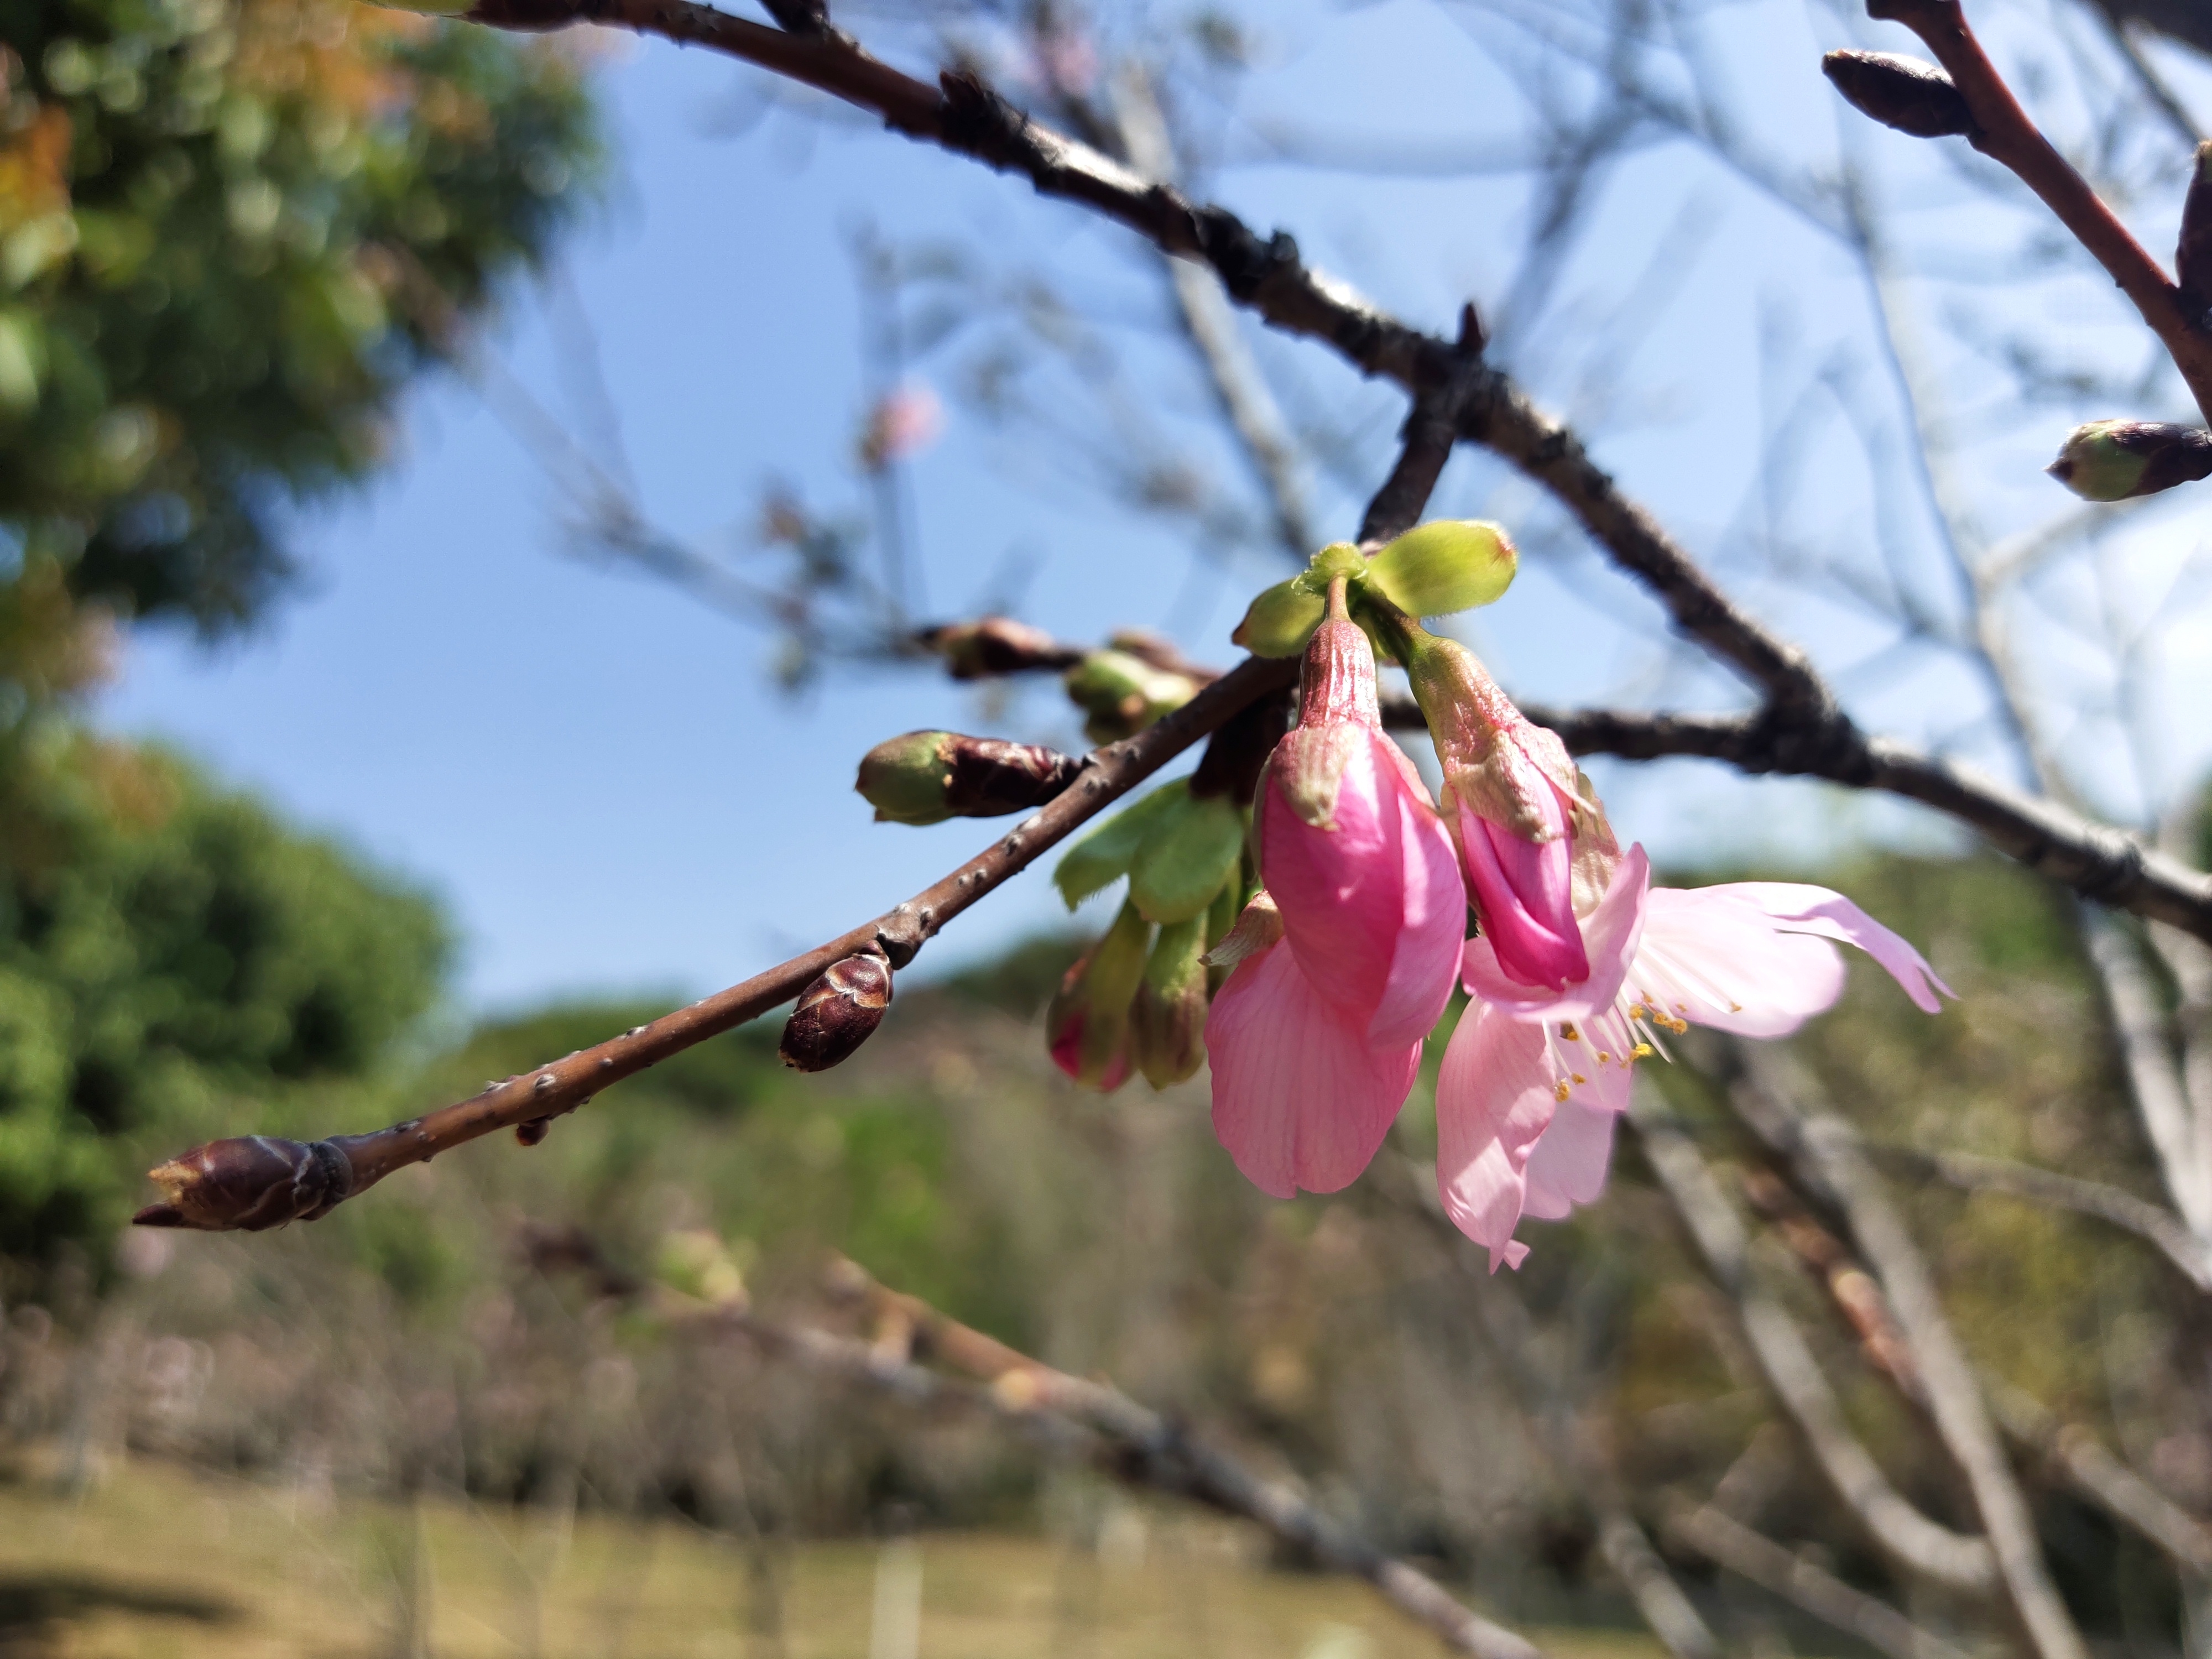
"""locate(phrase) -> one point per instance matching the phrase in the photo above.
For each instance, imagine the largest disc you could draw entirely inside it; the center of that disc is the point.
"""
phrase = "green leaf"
(1102, 857)
(1451, 564)
(1187, 858)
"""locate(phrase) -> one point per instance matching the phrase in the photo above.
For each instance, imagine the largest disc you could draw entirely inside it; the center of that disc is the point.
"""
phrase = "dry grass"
(155, 1561)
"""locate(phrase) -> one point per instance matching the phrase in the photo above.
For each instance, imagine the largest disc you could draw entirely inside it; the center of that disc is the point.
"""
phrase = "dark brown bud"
(533, 1133)
(512, 13)
(249, 1184)
(2192, 256)
(2114, 460)
(926, 777)
(837, 1013)
(1910, 94)
(998, 644)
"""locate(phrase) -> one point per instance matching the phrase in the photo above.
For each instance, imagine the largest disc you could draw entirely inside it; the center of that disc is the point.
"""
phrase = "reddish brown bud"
(837, 1013)
(2192, 256)
(998, 644)
(249, 1184)
(1909, 94)
(533, 1133)
(926, 777)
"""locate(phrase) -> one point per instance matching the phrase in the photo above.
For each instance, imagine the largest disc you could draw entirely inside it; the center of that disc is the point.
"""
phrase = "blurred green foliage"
(230, 231)
(169, 955)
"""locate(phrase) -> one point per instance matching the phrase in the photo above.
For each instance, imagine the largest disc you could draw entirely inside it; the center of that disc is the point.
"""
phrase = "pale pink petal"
(1609, 935)
(1340, 891)
(1712, 956)
(1494, 1097)
(1299, 1099)
(1808, 909)
(1524, 892)
(1568, 1166)
(1432, 924)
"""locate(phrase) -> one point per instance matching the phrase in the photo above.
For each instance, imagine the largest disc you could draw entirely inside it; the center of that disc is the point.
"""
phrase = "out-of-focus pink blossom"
(1533, 1080)
(905, 420)
(1317, 1035)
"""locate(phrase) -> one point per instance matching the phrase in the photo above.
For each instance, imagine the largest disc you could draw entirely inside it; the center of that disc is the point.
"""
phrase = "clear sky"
(597, 772)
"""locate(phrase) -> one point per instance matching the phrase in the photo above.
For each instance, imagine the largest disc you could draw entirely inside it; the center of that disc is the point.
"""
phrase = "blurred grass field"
(154, 1560)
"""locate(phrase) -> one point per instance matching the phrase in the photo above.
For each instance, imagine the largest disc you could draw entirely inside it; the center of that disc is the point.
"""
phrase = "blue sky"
(596, 772)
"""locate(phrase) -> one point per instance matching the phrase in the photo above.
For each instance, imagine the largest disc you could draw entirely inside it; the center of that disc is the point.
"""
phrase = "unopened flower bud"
(1909, 94)
(2193, 254)
(926, 777)
(998, 644)
(1123, 694)
(837, 1013)
(249, 1184)
(1087, 1026)
(1167, 1021)
(2114, 460)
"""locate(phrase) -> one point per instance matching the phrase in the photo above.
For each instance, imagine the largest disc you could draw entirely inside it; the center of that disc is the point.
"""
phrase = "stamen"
(1560, 1089)
(1580, 1079)
(1642, 1052)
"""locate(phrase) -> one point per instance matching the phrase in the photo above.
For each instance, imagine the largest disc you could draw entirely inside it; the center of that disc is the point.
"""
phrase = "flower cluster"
(1307, 947)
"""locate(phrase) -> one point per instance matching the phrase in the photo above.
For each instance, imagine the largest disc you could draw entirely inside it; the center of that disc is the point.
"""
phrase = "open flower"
(1346, 965)
(1533, 1080)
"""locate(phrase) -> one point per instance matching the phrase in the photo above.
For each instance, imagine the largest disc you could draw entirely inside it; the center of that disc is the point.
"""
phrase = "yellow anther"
(1567, 1031)
(1560, 1089)
(1603, 1057)
(1677, 1026)
(1637, 1011)
(1736, 1008)
(1642, 1052)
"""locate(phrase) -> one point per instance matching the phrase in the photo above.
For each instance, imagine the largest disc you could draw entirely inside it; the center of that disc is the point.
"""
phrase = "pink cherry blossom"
(1347, 961)
(1533, 1081)
(1511, 794)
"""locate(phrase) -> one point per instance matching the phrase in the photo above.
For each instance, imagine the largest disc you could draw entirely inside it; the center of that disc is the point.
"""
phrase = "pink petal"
(1432, 922)
(1710, 955)
(1494, 1097)
(1374, 908)
(1340, 891)
(1299, 1099)
(1568, 1166)
(1807, 910)
(1524, 892)
(1609, 935)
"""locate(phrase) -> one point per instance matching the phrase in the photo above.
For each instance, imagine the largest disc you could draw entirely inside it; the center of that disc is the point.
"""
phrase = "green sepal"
(1281, 620)
(1103, 857)
(1447, 565)
(1187, 856)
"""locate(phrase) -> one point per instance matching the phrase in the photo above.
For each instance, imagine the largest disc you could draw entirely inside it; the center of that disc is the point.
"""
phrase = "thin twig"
(1143, 1448)
(2153, 1223)
(1910, 1541)
(2007, 135)
(1826, 1152)
(562, 1086)
(1728, 1543)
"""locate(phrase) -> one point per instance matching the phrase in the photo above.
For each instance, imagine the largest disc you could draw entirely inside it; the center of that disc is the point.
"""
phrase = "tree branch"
(2005, 133)
(263, 1183)
(1728, 1543)
(963, 115)
(2152, 1223)
(1142, 1448)
(1911, 1543)
(1826, 1153)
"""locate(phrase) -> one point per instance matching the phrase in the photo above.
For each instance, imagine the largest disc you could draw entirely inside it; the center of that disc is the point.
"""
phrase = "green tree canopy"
(170, 954)
(230, 230)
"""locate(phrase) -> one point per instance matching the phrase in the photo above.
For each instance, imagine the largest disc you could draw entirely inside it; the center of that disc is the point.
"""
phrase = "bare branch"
(2005, 133)
(1729, 1544)
(1911, 1543)
(1826, 1151)
(1141, 1446)
(2150, 1222)
(345, 1165)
